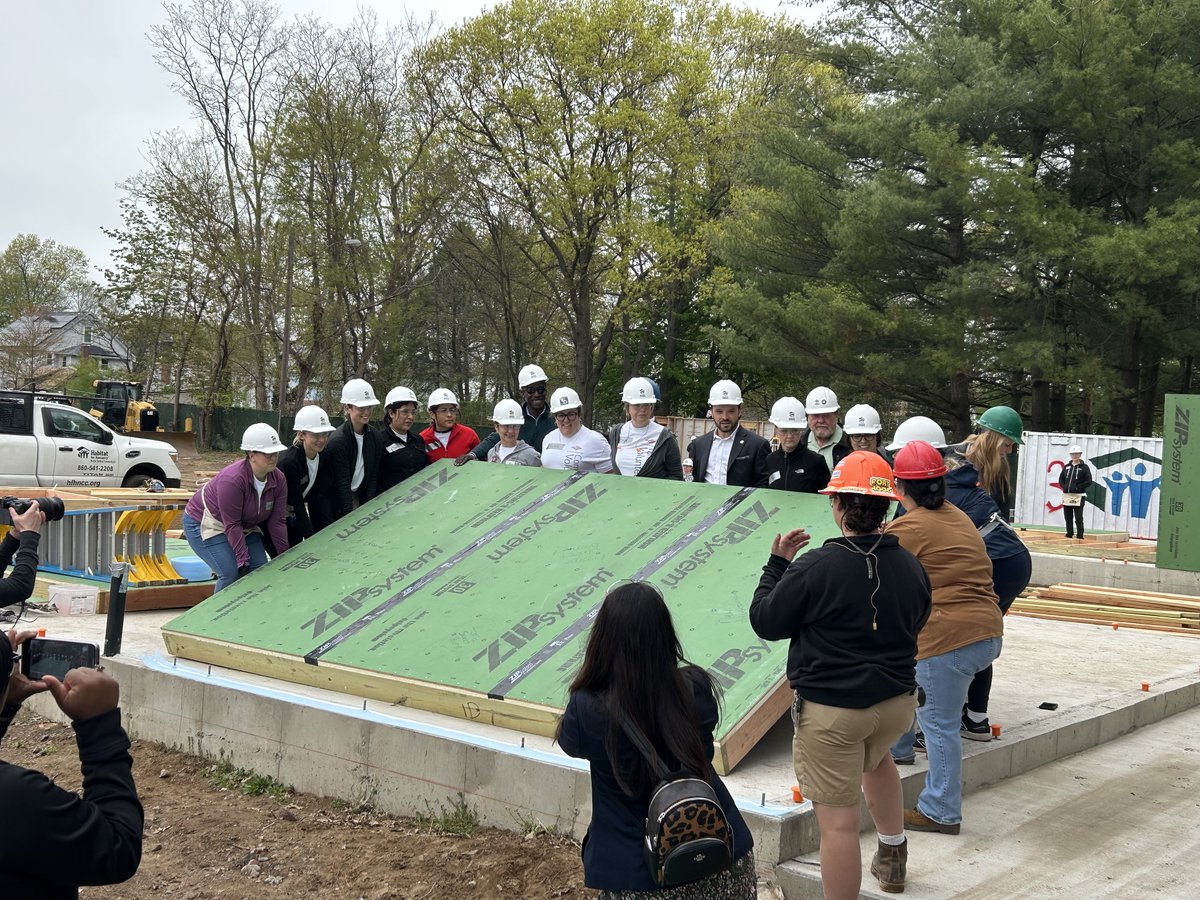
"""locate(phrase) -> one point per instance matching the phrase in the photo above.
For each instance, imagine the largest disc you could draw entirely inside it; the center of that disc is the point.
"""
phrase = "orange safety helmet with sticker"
(919, 461)
(862, 472)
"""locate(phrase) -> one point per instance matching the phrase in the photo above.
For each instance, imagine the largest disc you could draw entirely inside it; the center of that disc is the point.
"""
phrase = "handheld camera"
(52, 507)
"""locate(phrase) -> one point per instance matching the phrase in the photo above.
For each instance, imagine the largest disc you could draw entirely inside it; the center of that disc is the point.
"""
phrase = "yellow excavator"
(120, 405)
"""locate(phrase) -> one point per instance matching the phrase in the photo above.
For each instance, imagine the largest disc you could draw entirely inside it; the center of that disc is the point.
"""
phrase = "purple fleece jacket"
(231, 498)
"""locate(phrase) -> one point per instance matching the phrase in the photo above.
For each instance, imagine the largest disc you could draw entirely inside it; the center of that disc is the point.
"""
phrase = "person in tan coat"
(963, 634)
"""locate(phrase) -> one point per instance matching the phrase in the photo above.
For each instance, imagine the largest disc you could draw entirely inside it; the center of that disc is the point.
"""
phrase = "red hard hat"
(919, 461)
(862, 472)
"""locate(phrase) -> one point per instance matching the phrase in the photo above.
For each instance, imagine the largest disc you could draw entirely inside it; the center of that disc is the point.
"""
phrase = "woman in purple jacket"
(224, 520)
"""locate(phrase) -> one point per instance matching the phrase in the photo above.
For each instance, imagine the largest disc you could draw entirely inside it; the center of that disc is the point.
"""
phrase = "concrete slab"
(1052, 568)
(1116, 821)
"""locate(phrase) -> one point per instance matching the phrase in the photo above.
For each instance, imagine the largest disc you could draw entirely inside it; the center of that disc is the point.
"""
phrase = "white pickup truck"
(54, 445)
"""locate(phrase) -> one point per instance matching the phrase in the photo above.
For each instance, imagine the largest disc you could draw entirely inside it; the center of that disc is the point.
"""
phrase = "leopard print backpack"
(687, 835)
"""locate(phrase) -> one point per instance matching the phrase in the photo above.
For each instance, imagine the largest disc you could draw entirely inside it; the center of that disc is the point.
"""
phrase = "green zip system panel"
(469, 591)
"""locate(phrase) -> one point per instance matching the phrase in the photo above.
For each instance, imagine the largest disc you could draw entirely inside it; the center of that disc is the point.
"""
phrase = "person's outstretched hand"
(788, 545)
(84, 693)
(464, 459)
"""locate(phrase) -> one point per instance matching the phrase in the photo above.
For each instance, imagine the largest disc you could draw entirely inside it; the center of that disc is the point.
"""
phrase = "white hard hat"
(788, 412)
(400, 395)
(311, 418)
(508, 412)
(563, 399)
(356, 392)
(262, 437)
(862, 419)
(442, 396)
(725, 393)
(638, 390)
(531, 375)
(687, 462)
(821, 400)
(918, 428)
(1075, 448)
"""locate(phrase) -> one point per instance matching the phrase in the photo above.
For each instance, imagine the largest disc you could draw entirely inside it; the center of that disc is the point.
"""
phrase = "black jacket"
(612, 849)
(341, 453)
(533, 432)
(19, 585)
(1075, 479)
(52, 840)
(801, 470)
(826, 603)
(747, 458)
(399, 459)
(294, 466)
(664, 460)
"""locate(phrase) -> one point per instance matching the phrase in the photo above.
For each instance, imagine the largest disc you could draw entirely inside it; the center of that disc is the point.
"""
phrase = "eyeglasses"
(855, 438)
(535, 389)
(569, 414)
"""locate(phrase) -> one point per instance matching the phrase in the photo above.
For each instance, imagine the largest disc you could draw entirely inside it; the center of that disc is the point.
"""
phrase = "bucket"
(193, 568)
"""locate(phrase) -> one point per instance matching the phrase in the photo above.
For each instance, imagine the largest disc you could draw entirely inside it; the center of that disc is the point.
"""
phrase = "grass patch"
(459, 817)
(226, 776)
(530, 826)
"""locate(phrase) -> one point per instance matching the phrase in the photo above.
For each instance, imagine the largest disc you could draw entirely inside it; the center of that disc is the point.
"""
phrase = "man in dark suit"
(729, 454)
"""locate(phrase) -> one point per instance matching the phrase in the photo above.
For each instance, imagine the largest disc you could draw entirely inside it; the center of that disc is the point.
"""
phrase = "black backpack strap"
(643, 745)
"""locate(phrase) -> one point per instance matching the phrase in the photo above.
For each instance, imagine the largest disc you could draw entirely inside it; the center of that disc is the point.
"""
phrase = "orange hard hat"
(862, 472)
(919, 461)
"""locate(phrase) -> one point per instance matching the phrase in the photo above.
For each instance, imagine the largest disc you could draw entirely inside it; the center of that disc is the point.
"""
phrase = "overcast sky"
(82, 95)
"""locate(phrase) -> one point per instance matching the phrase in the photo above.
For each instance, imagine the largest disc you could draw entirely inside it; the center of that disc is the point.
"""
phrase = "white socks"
(891, 840)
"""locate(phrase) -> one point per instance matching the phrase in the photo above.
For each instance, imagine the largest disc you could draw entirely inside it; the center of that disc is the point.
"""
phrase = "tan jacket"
(965, 607)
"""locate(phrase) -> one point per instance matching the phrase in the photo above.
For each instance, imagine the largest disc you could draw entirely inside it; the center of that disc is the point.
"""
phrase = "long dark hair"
(634, 664)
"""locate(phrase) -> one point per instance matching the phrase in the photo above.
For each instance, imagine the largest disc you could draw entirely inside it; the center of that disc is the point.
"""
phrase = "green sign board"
(469, 591)
(1179, 505)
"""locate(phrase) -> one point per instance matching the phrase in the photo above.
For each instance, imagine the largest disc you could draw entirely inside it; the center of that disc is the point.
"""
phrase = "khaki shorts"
(834, 746)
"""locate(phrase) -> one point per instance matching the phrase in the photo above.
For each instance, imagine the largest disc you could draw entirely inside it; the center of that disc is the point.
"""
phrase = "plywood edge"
(747, 731)
(459, 703)
(180, 596)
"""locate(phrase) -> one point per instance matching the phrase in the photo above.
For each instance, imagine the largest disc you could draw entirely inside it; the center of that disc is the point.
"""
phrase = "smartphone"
(43, 656)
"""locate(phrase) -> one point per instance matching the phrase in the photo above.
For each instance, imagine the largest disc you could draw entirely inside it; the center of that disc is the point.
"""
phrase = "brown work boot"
(915, 820)
(890, 865)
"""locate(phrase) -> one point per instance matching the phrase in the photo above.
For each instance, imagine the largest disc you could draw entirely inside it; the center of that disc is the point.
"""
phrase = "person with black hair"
(52, 840)
(852, 610)
(963, 636)
(634, 669)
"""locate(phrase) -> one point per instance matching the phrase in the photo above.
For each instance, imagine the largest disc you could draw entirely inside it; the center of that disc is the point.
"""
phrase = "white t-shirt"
(360, 470)
(717, 471)
(584, 451)
(259, 487)
(503, 452)
(634, 446)
(312, 472)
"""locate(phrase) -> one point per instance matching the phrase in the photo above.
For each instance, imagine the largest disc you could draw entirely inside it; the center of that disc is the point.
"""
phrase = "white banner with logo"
(1127, 474)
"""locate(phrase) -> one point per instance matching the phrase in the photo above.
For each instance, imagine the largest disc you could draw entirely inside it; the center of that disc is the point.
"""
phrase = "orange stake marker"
(797, 797)
(995, 731)
(1145, 685)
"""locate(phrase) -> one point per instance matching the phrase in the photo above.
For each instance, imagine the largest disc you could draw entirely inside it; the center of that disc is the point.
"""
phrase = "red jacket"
(462, 440)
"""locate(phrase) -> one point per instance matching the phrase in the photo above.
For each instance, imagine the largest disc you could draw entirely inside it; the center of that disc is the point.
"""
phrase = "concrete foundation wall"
(1050, 568)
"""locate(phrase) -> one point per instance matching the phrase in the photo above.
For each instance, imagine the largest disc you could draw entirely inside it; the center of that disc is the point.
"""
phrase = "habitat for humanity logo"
(1125, 482)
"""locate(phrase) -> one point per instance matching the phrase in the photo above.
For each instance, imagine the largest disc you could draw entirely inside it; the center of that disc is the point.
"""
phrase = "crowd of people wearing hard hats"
(901, 614)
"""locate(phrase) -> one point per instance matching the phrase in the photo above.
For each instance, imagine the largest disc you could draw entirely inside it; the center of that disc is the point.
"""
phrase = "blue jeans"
(219, 555)
(945, 679)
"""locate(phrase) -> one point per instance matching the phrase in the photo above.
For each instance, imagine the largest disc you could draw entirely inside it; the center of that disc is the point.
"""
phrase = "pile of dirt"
(213, 831)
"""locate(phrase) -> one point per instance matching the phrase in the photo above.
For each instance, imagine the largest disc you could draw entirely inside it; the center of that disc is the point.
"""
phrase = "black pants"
(1074, 514)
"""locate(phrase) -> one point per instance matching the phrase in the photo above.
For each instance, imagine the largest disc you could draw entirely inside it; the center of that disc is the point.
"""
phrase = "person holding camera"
(19, 549)
(52, 840)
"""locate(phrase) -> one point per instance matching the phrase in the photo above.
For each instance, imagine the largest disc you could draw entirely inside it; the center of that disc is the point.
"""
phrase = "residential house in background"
(44, 349)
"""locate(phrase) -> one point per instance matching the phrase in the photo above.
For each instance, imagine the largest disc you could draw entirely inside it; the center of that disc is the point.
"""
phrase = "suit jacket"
(341, 453)
(747, 458)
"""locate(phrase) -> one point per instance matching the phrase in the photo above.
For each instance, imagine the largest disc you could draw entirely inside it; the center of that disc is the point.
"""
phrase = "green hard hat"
(1004, 420)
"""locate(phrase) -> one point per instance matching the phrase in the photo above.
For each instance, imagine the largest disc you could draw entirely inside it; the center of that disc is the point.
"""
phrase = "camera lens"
(53, 508)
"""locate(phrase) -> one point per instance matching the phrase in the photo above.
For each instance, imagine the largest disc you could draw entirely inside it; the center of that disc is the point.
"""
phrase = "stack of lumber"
(1148, 610)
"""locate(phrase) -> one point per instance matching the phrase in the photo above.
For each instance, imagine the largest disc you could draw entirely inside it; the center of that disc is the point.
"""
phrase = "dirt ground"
(216, 832)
